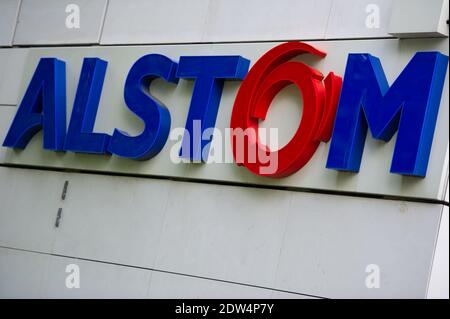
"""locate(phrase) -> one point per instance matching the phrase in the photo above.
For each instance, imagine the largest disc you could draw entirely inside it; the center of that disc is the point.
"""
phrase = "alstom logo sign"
(340, 110)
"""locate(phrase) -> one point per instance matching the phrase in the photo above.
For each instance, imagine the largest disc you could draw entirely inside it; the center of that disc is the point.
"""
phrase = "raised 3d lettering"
(156, 116)
(410, 106)
(209, 73)
(43, 106)
(80, 137)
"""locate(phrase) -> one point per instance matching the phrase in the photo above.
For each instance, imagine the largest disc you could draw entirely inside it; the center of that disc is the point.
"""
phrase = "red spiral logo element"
(269, 75)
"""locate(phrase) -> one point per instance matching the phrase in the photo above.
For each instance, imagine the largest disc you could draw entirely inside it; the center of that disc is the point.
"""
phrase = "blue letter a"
(43, 106)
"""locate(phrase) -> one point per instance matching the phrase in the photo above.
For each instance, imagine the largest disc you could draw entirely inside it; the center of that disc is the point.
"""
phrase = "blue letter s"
(156, 116)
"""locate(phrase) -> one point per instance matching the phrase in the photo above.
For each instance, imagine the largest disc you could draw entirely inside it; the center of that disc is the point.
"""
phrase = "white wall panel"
(113, 219)
(321, 247)
(12, 65)
(418, 18)
(207, 225)
(359, 19)
(345, 236)
(255, 20)
(34, 275)
(374, 176)
(21, 274)
(292, 241)
(171, 286)
(29, 206)
(8, 18)
(156, 21)
(97, 280)
(43, 22)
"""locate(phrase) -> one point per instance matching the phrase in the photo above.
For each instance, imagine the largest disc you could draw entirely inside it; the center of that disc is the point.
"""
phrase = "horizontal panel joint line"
(232, 183)
(162, 271)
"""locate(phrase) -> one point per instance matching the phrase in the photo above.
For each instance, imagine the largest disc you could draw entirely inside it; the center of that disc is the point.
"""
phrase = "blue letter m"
(410, 106)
